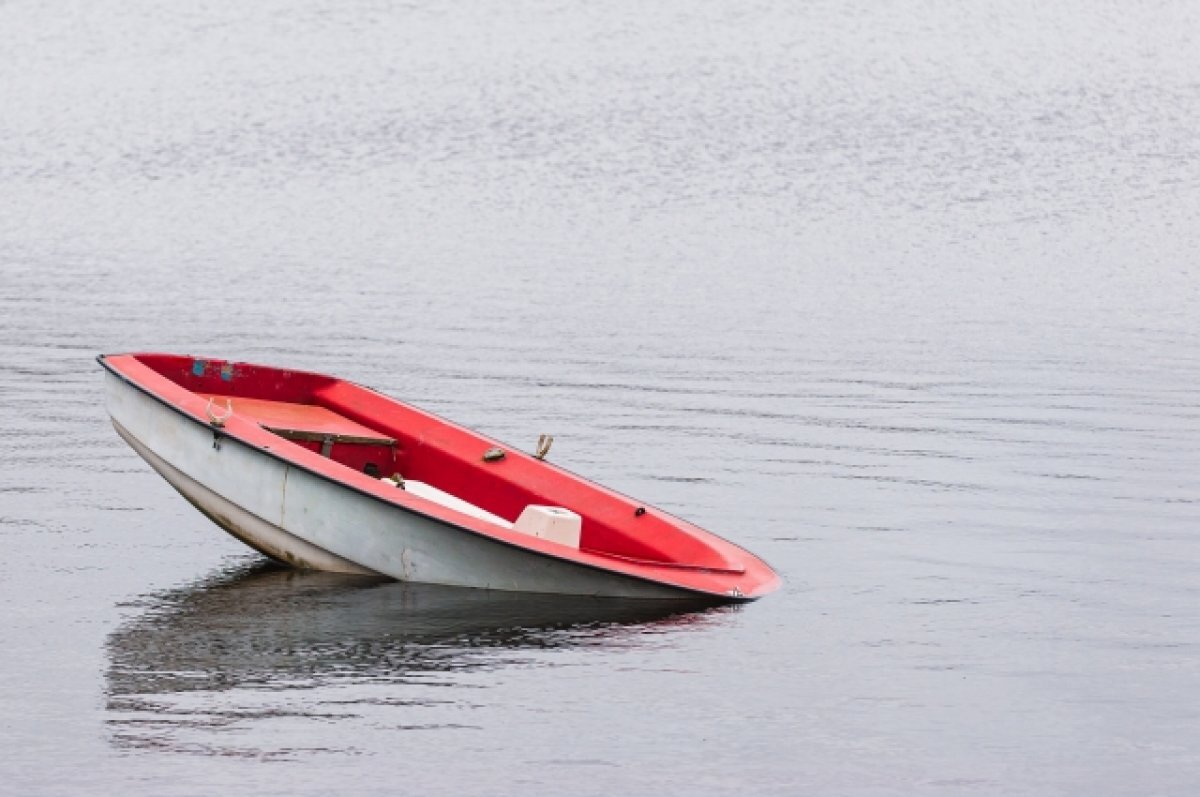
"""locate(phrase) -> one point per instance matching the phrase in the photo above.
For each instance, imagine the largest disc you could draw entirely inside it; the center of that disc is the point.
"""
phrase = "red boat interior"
(378, 436)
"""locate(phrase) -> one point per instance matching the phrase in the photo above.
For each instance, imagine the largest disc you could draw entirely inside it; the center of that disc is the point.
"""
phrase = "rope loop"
(217, 421)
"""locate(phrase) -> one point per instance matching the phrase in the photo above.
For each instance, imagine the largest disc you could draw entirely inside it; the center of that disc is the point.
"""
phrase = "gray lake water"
(902, 297)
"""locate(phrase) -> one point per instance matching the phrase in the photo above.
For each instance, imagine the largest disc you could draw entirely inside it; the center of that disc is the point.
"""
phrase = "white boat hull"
(313, 522)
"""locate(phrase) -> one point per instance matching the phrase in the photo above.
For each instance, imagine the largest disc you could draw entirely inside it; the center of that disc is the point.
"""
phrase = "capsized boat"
(325, 474)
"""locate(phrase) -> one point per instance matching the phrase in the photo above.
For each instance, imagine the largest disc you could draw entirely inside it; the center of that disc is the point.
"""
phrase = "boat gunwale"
(622, 566)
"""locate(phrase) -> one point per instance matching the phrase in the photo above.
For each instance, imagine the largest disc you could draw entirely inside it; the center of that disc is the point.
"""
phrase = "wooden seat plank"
(301, 421)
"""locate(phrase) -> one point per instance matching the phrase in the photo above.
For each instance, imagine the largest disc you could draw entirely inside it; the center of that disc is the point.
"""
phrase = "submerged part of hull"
(264, 537)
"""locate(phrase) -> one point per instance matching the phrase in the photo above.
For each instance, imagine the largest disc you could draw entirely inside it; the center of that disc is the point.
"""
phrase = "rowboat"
(325, 474)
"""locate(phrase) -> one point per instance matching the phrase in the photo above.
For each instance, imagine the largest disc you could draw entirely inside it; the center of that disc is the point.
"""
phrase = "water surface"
(902, 298)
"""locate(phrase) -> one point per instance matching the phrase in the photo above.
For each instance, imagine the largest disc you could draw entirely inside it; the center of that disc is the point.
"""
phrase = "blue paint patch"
(227, 372)
(198, 367)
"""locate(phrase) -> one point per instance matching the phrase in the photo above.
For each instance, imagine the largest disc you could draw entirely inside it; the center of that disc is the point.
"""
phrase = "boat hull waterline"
(298, 495)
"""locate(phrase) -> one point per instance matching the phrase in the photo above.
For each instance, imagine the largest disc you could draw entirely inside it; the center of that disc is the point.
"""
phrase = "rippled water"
(903, 298)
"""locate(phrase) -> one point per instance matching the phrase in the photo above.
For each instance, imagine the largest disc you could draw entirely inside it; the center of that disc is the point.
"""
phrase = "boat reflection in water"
(245, 644)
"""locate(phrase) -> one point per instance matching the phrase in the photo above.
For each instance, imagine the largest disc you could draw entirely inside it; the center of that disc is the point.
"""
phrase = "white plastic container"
(551, 523)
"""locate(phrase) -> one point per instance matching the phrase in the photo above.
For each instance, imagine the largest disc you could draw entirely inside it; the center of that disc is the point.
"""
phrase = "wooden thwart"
(321, 437)
(303, 422)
